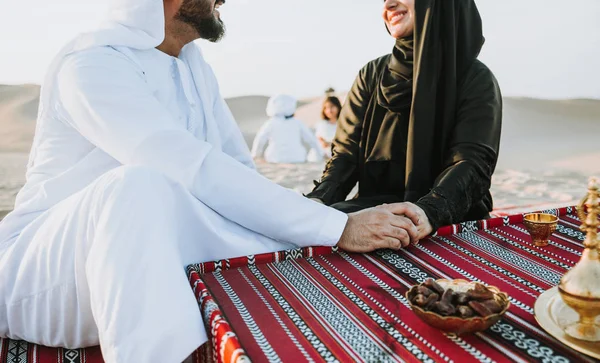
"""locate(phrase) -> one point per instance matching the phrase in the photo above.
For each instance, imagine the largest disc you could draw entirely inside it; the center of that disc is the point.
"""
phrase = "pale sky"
(536, 48)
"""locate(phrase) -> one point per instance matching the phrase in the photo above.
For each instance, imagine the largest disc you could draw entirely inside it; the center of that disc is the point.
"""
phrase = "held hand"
(377, 228)
(416, 214)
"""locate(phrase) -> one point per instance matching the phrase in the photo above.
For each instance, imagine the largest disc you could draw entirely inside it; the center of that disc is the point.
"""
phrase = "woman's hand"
(423, 225)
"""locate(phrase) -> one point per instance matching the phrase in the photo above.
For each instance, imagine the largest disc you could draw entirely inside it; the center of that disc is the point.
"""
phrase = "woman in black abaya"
(420, 125)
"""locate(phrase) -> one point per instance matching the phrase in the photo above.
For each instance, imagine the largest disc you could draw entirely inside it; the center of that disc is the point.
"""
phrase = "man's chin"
(212, 29)
(216, 37)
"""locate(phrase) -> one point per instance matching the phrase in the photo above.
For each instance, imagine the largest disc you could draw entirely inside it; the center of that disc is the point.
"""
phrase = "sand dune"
(548, 148)
(537, 134)
(19, 104)
(249, 112)
(541, 135)
(18, 110)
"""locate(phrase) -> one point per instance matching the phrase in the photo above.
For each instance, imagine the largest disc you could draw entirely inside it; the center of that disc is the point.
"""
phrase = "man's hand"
(391, 226)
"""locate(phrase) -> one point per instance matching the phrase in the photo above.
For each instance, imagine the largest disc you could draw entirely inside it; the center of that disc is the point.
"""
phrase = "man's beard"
(200, 16)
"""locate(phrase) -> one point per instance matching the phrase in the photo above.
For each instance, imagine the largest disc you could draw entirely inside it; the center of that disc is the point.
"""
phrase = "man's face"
(203, 16)
(399, 17)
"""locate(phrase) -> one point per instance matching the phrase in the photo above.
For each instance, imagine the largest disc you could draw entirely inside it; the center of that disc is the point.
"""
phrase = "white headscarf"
(281, 106)
(138, 24)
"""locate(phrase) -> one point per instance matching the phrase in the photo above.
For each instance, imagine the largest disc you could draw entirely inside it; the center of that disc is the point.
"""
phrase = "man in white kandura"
(138, 169)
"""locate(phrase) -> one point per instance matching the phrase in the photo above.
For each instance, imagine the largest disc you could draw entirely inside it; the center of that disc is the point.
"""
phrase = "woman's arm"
(340, 174)
(472, 154)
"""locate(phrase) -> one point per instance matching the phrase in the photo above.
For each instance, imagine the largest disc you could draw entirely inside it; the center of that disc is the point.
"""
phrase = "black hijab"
(395, 89)
(426, 74)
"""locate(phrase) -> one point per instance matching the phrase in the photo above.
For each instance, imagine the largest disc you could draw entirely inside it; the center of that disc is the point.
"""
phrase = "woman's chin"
(400, 32)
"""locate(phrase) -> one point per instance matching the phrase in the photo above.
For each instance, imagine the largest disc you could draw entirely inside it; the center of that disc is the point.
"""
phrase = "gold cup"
(540, 227)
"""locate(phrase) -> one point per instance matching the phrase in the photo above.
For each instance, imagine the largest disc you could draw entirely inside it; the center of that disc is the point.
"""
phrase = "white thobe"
(284, 140)
(123, 191)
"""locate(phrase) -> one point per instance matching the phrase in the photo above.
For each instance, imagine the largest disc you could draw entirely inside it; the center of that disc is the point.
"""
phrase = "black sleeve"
(472, 154)
(341, 172)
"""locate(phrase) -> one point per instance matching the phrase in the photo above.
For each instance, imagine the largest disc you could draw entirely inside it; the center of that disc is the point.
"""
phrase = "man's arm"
(111, 105)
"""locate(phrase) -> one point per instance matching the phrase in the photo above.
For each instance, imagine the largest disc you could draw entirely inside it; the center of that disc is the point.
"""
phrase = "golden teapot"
(580, 287)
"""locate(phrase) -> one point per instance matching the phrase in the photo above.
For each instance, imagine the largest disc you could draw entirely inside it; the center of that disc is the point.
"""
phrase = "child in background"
(325, 129)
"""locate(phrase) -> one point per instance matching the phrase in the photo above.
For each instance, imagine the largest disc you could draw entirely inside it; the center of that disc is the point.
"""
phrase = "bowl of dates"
(458, 306)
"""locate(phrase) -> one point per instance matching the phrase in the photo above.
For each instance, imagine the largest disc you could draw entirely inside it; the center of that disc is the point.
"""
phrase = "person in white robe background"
(283, 135)
(138, 169)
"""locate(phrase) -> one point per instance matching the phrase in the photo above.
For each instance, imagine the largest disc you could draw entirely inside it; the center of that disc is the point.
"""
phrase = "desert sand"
(549, 148)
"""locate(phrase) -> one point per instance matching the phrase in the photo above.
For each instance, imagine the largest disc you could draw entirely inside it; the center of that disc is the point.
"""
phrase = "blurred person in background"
(283, 135)
(326, 127)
